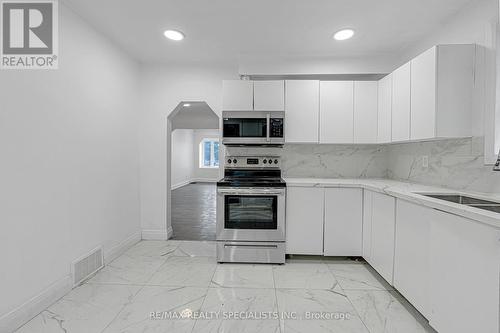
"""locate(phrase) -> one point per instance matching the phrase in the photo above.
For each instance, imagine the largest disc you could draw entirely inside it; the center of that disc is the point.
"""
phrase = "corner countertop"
(410, 192)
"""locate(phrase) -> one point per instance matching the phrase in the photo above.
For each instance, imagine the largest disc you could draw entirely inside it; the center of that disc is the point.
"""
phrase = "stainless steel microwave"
(253, 127)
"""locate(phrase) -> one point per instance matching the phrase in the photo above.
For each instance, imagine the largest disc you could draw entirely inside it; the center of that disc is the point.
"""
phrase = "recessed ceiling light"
(344, 34)
(186, 105)
(174, 35)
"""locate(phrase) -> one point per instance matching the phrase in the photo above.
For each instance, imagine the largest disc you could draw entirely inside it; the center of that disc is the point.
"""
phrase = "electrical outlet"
(425, 161)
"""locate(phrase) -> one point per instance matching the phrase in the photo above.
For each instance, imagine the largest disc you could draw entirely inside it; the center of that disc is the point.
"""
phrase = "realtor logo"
(29, 34)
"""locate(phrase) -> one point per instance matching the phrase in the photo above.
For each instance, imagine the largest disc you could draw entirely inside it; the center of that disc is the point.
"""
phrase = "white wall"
(162, 88)
(204, 174)
(183, 162)
(69, 170)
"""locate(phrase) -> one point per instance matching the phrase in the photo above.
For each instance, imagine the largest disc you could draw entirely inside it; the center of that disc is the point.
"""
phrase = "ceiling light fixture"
(174, 35)
(344, 34)
(186, 105)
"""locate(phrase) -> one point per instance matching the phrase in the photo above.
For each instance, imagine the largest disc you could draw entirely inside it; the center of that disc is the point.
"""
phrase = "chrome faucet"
(497, 163)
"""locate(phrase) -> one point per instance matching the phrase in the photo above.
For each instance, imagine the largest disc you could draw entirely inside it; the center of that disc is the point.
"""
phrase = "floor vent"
(88, 265)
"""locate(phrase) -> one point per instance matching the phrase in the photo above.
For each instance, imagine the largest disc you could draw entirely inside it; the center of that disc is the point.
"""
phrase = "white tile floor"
(180, 276)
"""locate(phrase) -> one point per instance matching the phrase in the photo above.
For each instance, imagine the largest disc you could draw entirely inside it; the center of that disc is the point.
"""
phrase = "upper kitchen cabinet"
(442, 83)
(269, 95)
(237, 95)
(401, 103)
(365, 111)
(302, 111)
(384, 126)
(336, 112)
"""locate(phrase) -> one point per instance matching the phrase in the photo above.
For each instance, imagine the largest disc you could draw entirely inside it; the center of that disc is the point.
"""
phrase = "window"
(209, 153)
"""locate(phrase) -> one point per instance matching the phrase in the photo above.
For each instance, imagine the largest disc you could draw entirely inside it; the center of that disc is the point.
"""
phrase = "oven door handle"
(250, 192)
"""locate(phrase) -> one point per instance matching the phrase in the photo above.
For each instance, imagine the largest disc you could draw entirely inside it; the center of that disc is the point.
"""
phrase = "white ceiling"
(225, 30)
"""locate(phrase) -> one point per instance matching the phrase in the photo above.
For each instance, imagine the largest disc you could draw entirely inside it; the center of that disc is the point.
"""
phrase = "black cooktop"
(251, 178)
(251, 182)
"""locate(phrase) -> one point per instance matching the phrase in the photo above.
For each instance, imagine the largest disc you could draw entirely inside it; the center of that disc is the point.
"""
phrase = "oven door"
(251, 214)
(252, 127)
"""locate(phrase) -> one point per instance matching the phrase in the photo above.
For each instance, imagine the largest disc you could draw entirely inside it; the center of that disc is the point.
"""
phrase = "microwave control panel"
(276, 128)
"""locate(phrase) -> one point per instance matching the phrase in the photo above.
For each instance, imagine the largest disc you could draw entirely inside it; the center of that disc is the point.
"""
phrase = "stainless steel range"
(251, 211)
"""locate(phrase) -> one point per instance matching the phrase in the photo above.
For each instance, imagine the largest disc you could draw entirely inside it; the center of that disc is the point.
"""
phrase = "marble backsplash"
(325, 161)
(453, 163)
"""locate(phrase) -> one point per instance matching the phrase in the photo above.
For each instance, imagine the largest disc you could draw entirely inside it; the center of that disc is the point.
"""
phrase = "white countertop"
(409, 192)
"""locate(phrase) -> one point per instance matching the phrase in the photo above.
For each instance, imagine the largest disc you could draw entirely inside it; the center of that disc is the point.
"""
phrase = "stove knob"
(229, 161)
(264, 161)
(235, 161)
(270, 161)
(275, 161)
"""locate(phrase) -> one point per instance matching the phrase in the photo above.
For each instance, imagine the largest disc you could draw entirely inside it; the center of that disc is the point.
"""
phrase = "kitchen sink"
(466, 200)
(461, 199)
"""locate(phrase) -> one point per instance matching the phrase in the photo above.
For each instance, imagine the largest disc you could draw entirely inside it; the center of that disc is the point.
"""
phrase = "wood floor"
(194, 212)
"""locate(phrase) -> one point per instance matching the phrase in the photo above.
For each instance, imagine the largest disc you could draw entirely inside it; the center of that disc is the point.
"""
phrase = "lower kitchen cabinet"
(343, 222)
(382, 235)
(304, 220)
(367, 225)
(411, 255)
(464, 275)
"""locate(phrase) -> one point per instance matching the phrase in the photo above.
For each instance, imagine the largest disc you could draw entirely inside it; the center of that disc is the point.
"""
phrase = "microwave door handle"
(268, 121)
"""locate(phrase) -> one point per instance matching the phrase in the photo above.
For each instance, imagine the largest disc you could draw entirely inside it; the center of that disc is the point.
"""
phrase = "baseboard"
(120, 248)
(155, 234)
(205, 180)
(181, 184)
(192, 180)
(25, 312)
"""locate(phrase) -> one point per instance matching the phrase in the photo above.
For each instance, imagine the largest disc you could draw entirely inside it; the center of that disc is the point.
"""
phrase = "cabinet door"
(336, 112)
(343, 222)
(302, 111)
(365, 111)
(269, 95)
(304, 220)
(384, 132)
(367, 225)
(383, 225)
(423, 95)
(411, 255)
(464, 269)
(237, 95)
(401, 103)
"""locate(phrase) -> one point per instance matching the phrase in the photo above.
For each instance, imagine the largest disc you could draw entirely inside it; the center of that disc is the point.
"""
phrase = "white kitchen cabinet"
(365, 111)
(269, 95)
(384, 121)
(382, 239)
(442, 85)
(237, 95)
(367, 225)
(304, 220)
(302, 111)
(336, 112)
(343, 222)
(464, 275)
(401, 103)
(411, 255)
